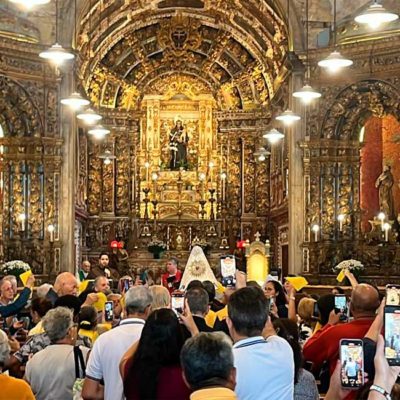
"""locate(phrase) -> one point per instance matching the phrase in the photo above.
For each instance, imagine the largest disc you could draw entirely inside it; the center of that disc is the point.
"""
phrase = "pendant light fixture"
(56, 53)
(288, 116)
(335, 60)
(261, 154)
(107, 157)
(89, 116)
(375, 16)
(99, 132)
(273, 136)
(306, 94)
(28, 4)
(75, 100)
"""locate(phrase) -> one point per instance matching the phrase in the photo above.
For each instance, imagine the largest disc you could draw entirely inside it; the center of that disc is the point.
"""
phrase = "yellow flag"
(298, 282)
(83, 286)
(341, 276)
(24, 277)
(101, 301)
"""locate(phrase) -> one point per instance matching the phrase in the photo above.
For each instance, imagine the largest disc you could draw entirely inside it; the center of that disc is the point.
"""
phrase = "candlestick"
(381, 217)
(315, 229)
(386, 228)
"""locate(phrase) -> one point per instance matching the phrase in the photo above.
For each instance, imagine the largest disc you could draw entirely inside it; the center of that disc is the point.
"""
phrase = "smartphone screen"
(177, 302)
(392, 295)
(315, 311)
(228, 271)
(109, 311)
(341, 306)
(392, 334)
(352, 363)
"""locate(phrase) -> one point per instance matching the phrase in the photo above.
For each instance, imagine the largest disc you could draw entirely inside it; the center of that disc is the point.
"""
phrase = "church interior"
(142, 128)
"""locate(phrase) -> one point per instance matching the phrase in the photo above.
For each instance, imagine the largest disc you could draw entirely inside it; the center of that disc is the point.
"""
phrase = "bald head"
(66, 283)
(364, 300)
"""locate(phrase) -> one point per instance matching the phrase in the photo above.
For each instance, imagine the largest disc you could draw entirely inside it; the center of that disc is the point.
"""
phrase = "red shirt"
(171, 286)
(324, 344)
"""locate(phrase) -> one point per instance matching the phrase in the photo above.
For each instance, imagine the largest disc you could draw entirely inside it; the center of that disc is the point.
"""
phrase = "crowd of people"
(156, 341)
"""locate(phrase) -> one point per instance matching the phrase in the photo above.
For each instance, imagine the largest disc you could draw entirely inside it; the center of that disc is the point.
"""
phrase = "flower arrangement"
(351, 265)
(15, 267)
(156, 247)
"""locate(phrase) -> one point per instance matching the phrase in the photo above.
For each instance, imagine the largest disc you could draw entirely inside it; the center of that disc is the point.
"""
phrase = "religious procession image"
(199, 199)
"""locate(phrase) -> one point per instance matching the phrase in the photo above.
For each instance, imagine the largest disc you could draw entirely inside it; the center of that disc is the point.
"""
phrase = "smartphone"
(392, 295)
(127, 284)
(315, 311)
(341, 306)
(178, 302)
(109, 311)
(352, 363)
(143, 277)
(392, 334)
(228, 270)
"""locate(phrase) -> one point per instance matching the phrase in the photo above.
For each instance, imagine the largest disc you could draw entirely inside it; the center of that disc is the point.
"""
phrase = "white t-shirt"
(107, 353)
(51, 372)
(264, 368)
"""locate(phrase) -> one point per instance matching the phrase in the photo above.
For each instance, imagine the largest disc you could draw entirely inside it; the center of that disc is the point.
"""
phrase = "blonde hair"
(161, 297)
(305, 309)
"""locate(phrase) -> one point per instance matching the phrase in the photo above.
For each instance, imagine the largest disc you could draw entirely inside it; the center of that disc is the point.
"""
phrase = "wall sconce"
(51, 228)
(315, 229)
(21, 220)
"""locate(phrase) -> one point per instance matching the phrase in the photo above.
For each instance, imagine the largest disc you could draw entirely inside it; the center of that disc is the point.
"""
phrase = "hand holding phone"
(228, 270)
(392, 334)
(351, 363)
(392, 295)
(178, 302)
(341, 306)
(109, 311)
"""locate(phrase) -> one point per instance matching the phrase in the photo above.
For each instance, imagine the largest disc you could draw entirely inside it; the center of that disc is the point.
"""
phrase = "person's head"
(39, 308)
(6, 290)
(326, 304)
(179, 123)
(172, 265)
(194, 283)
(57, 323)
(253, 283)
(138, 301)
(42, 290)
(288, 330)
(86, 266)
(101, 284)
(87, 318)
(198, 301)
(210, 289)
(305, 309)
(247, 312)
(207, 361)
(66, 283)
(160, 344)
(71, 302)
(4, 349)
(337, 290)
(275, 289)
(104, 260)
(364, 301)
(14, 282)
(161, 297)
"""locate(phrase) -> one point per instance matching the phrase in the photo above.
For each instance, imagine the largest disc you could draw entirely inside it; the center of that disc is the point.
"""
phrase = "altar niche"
(177, 146)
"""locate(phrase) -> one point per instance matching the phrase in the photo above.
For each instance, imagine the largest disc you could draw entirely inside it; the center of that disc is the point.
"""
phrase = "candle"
(381, 217)
(223, 179)
(147, 165)
(154, 177)
(211, 166)
(21, 219)
(341, 218)
(386, 228)
(190, 235)
(168, 237)
(202, 177)
(315, 229)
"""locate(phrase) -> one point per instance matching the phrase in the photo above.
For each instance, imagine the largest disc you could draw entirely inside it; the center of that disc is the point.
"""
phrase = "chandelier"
(375, 16)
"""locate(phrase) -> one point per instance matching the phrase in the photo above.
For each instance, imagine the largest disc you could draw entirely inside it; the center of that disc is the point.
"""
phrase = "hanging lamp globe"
(56, 54)
(375, 16)
(89, 116)
(306, 94)
(99, 132)
(335, 61)
(30, 3)
(107, 157)
(261, 154)
(75, 101)
(288, 117)
(273, 136)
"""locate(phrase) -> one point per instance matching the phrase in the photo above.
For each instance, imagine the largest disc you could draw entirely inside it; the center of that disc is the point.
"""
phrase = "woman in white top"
(51, 371)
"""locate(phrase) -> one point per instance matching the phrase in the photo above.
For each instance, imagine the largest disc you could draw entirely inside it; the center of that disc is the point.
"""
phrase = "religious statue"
(178, 141)
(384, 183)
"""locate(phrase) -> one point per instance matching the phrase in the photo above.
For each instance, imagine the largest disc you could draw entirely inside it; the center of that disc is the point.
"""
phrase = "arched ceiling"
(236, 48)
